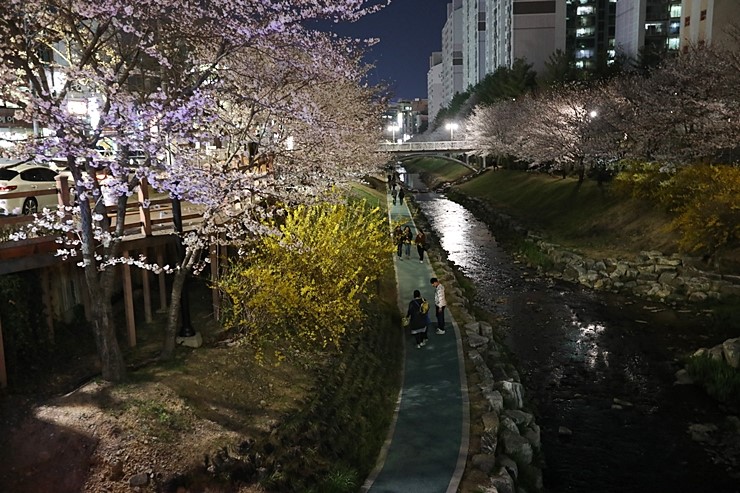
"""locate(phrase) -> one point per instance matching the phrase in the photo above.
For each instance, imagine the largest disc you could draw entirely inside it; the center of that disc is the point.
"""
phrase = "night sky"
(409, 31)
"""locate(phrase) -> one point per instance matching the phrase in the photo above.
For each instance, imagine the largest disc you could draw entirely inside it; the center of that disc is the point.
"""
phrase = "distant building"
(404, 119)
(452, 54)
(708, 21)
(474, 42)
(538, 29)
(435, 85)
(590, 32)
(649, 27)
(480, 36)
(499, 19)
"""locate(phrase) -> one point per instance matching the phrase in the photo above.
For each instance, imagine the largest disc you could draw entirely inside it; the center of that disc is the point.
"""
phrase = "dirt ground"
(140, 436)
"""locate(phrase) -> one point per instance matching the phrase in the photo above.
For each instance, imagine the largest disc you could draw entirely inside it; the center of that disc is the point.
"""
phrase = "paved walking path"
(427, 445)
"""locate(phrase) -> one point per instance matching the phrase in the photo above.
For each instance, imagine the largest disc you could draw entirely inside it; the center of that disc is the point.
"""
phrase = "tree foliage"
(304, 287)
(506, 83)
(174, 79)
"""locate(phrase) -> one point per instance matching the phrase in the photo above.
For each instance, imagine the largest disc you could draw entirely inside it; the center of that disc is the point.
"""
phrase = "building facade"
(498, 46)
(590, 32)
(647, 27)
(474, 41)
(452, 52)
(435, 85)
(538, 29)
(705, 22)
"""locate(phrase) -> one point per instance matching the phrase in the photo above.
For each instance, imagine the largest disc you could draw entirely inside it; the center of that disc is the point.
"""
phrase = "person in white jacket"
(440, 302)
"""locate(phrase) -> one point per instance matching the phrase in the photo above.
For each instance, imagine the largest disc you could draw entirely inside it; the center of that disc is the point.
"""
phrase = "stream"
(600, 366)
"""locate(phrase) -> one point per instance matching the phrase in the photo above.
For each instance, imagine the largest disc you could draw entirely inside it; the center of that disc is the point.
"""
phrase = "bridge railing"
(443, 145)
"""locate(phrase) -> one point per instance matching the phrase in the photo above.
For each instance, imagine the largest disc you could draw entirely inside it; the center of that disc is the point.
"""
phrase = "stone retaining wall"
(666, 278)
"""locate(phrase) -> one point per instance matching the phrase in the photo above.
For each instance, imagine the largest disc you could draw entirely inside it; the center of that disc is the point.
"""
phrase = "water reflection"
(577, 352)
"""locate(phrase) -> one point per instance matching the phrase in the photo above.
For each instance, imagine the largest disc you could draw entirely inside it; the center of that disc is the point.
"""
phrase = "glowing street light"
(593, 113)
(452, 127)
(393, 128)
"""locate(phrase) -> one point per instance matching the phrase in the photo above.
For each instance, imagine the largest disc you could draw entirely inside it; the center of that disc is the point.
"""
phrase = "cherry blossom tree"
(290, 125)
(146, 73)
(684, 111)
(560, 128)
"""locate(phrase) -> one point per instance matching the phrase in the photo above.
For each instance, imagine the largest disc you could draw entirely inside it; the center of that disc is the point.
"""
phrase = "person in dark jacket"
(418, 321)
(401, 194)
(421, 243)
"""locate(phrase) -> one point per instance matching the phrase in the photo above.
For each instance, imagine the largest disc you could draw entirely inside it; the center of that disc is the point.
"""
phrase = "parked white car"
(30, 178)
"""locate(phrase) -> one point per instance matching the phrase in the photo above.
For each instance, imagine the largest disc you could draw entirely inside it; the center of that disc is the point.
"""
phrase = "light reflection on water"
(578, 350)
(587, 342)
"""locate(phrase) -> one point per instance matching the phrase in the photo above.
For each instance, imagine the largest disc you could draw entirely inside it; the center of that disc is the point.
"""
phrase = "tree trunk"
(113, 366)
(168, 348)
(581, 171)
(109, 352)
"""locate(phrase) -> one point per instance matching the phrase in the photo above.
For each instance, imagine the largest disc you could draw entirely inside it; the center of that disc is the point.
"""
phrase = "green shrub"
(642, 180)
(534, 255)
(719, 379)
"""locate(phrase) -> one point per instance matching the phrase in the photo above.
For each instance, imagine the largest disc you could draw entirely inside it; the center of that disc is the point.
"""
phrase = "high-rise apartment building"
(538, 29)
(498, 34)
(452, 52)
(708, 21)
(435, 85)
(474, 41)
(590, 32)
(647, 27)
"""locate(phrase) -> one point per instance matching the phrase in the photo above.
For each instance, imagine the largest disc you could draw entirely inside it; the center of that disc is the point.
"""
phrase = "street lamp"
(452, 127)
(593, 113)
(393, 128)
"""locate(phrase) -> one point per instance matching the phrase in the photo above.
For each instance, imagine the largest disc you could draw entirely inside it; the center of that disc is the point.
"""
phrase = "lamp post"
(452, 127)
(392, 129)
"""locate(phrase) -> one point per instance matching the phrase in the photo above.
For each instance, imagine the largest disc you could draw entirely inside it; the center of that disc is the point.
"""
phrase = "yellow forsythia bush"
(706, 199)
(304, 288)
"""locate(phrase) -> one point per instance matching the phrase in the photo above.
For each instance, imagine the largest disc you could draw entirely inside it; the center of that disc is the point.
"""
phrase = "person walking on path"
(394, 193)
(418, 319)
(421, 244)
(440, 302)
(401, 195)
(398, 238)
(407, 238)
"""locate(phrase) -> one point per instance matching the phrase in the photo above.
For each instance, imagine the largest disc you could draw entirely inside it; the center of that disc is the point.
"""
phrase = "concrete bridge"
(443, 146)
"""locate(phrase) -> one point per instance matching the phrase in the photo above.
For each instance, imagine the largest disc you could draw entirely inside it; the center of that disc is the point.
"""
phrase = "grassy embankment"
(590, 219)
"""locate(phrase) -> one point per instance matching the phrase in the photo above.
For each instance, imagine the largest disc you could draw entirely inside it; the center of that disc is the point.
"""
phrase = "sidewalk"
(427, 444)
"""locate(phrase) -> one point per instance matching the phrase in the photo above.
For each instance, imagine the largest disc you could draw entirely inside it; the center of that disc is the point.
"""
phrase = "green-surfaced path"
(427, 445)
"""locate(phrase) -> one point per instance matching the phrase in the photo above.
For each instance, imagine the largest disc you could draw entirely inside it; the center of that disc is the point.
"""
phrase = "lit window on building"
(585, 10)
(676, 10)
(584, 31)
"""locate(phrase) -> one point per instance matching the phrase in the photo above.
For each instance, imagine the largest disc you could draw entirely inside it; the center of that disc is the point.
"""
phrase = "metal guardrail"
(443, 145)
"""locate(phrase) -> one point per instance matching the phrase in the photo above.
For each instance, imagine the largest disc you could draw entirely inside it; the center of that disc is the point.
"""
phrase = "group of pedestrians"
(418, 313)
(399, 194)
(403, 239)
(418, 309)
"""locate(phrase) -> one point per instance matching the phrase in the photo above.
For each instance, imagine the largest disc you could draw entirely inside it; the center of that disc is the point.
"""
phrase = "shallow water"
(577, 351)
